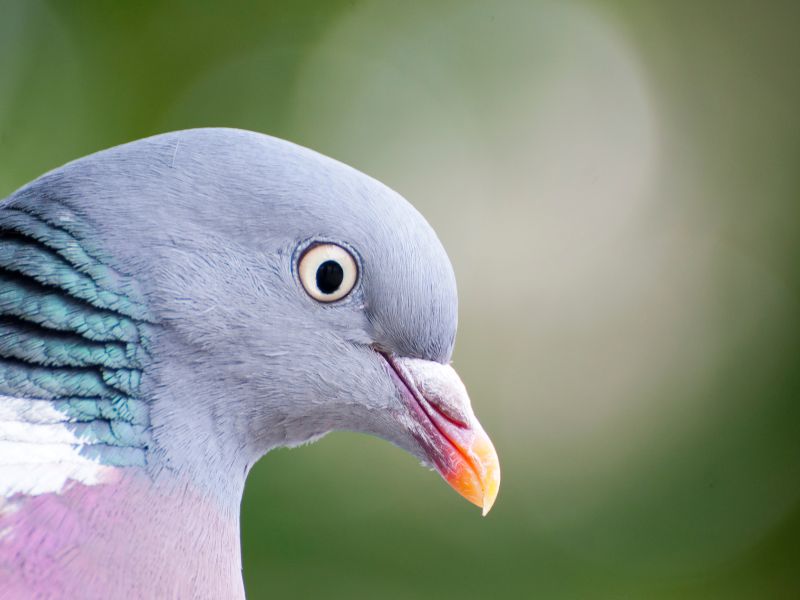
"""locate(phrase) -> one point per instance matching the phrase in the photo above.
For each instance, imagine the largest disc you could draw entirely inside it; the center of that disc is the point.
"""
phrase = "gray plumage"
(150, 303)
(208, 222)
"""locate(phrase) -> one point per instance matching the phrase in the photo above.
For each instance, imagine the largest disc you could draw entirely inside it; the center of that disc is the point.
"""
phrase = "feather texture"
(72, 353)
(155, 342)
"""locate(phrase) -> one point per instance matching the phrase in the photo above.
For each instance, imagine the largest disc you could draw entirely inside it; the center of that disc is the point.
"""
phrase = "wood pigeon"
(174, 308)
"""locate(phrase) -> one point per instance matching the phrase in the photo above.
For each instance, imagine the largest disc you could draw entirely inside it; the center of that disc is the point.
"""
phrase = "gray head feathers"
(208, 224)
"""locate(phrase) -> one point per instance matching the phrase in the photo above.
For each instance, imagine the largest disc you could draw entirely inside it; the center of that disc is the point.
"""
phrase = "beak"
(445, 427)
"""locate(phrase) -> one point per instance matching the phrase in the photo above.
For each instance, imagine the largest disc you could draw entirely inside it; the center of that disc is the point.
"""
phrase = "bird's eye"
(328, 272)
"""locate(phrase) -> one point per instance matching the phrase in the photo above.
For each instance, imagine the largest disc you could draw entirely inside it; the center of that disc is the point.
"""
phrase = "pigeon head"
(288, 295)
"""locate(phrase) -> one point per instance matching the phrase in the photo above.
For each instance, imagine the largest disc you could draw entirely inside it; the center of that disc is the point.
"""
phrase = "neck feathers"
(40, 450)
(73, 349)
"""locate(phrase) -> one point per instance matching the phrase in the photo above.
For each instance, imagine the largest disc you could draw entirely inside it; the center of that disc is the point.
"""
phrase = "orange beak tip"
(490, 493)
(476, 473)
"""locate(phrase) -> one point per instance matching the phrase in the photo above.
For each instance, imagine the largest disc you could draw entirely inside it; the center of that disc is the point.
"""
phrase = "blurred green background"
(618, 185)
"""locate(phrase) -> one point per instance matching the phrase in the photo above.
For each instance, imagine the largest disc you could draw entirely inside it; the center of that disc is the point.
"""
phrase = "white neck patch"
(39, 453)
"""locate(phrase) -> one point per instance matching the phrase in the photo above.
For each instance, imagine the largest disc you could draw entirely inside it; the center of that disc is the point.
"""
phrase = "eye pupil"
(329, 276)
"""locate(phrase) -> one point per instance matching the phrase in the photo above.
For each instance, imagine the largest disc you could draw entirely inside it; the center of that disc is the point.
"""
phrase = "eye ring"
(327, 271)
